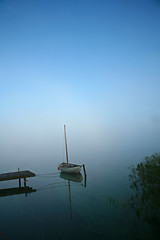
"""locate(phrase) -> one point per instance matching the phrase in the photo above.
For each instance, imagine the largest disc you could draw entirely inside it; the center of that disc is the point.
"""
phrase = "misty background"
(92, 65)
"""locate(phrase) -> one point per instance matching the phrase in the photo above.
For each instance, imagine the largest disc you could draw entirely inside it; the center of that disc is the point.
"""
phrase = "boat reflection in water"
(78, 178)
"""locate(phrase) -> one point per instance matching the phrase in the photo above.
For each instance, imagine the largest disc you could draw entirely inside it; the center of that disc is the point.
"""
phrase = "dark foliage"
(145, 183)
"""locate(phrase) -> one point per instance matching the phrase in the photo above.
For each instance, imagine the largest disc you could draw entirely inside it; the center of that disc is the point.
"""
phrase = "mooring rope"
(48, 175)
(51, 184)
(51, 177)
(55, 185)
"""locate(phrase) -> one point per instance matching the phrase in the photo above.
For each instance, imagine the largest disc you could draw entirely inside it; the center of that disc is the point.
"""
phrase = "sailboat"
(68, 167)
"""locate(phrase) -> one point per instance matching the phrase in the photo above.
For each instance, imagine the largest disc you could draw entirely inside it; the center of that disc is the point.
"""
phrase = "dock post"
(24, 182)
(19, 180)
(84, 175)
(84, 169)
(85, 181)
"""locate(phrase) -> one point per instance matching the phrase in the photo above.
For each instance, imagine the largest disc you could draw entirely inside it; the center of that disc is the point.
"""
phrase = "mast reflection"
(78, 178)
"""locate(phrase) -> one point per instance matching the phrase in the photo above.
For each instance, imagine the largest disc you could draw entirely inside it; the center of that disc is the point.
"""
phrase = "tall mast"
(66, 143)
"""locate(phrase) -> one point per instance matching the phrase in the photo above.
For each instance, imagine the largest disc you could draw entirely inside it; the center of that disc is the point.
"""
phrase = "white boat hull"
(70, 168)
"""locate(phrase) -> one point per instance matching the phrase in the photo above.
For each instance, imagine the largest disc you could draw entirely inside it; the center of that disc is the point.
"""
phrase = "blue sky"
(89, 64)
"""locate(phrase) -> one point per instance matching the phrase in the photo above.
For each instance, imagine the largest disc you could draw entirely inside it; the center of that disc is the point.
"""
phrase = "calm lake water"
(94, 211)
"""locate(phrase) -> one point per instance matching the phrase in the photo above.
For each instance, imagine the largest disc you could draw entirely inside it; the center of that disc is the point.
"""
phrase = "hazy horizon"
(93, 66)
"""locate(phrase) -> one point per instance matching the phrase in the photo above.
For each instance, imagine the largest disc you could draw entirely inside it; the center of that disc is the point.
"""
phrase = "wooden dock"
(17, 175)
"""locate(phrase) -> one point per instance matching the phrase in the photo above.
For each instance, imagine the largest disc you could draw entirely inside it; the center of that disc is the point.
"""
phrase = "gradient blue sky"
(94, 65)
